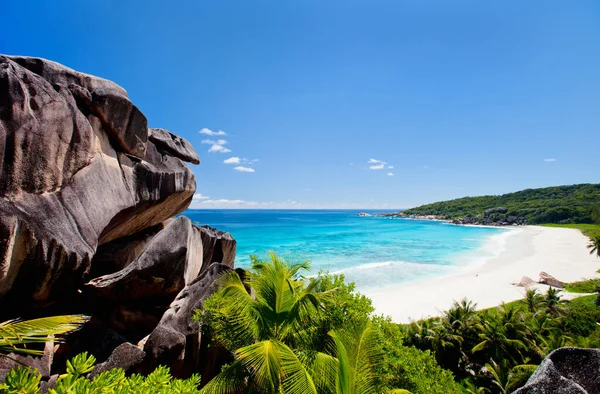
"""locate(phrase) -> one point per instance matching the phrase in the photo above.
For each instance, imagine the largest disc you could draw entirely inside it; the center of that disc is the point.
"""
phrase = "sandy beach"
(521, 252)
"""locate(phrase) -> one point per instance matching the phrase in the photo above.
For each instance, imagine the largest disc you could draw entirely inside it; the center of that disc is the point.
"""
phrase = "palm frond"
(22, 332)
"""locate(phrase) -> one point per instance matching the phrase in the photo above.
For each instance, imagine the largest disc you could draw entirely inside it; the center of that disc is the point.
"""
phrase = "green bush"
(584, 286)
(26, 381)
(418, 372)
(581, 316)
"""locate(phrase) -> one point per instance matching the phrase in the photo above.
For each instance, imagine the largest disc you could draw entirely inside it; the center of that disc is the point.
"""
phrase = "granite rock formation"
(89, 193)
(566, 371)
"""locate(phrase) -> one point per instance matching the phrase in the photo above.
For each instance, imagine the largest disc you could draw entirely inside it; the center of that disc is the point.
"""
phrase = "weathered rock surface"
(177, 337)
(171, 260)
(88, 195)
(219, 247)
(566, 371)
(79, 168)
(42, 364)
(125, 356)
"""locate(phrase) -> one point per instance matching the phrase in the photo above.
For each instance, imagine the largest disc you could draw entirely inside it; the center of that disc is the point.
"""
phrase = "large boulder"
(566, 371)
(80, 168)
(219, 246)
(176, 340)
(126, 356)
(171, 260)
(88, 199)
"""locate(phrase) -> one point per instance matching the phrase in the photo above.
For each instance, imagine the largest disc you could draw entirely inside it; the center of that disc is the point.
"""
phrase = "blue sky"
(322, 98)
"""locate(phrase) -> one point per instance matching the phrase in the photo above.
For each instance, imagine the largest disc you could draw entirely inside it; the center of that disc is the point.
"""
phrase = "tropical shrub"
(26, 381)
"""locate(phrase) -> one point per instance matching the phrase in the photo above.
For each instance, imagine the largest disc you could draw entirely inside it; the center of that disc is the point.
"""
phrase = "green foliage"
(22, 380)
(558, 204)
(290, 335)
(15, 335)
(114, 381)
(589, 230)
(496, 350)
(584, 286)
(418, 372)
(596, 214)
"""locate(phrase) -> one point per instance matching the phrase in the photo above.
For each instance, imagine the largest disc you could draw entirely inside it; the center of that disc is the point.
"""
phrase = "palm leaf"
(271, 364)
(17, 332)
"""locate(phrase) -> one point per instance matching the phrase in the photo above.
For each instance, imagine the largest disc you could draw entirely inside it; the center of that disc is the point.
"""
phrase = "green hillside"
(557, 204)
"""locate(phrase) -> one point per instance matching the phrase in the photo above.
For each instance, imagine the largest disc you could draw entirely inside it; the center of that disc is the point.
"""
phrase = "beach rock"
(218, 246)
(49, 384)
(168, 263)
(118, 254)
(176, 341)
(500, 210)
(126, 356)
(566, 370)
(80, 169)
(41, 363)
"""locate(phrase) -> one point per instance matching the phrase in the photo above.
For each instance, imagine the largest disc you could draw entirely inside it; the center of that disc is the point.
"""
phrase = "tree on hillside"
(534, 300)
(501, 339)
(596, 214)
(594, 246)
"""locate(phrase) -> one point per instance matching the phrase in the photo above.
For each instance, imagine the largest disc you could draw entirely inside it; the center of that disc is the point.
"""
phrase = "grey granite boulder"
(79, 168)
(126, 356)
(168, 263)
(566, 371)
(176, 339)
(219, 246)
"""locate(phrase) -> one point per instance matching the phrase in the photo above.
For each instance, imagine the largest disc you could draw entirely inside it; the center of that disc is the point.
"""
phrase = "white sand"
(525, 251)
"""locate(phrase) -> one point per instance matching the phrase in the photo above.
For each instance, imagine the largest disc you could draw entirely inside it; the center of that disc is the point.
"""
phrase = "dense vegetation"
(291, 334)
(496, 350)
(558, 204)
(114, 381)
(310, 336)
(331, 338)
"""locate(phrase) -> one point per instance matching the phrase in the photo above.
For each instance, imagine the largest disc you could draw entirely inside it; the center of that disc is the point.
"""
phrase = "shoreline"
(525, 251)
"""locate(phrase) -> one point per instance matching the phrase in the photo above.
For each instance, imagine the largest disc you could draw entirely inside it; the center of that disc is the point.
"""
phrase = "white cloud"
(215, 142)
(199, 196)
(550, 160)
(219, 148)
(390, 174)
(378, 164)
(244, 169)
(223, 201)
(217, 145)
(206, 131)
(232, 160)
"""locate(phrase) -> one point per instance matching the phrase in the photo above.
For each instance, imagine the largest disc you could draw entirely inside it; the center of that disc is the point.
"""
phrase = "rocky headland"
(88, 222)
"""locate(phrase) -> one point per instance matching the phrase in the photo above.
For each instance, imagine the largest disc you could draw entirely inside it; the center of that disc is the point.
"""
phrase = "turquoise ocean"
(374, 252)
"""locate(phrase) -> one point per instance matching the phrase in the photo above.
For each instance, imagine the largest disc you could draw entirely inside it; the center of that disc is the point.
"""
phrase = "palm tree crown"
(268, 322)
(594, 246)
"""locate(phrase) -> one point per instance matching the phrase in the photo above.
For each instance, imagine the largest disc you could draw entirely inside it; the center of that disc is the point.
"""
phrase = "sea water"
(374, 252)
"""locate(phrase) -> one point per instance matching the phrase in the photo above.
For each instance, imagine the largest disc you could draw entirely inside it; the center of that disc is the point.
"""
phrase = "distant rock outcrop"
(89, 193)
(566, 370)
